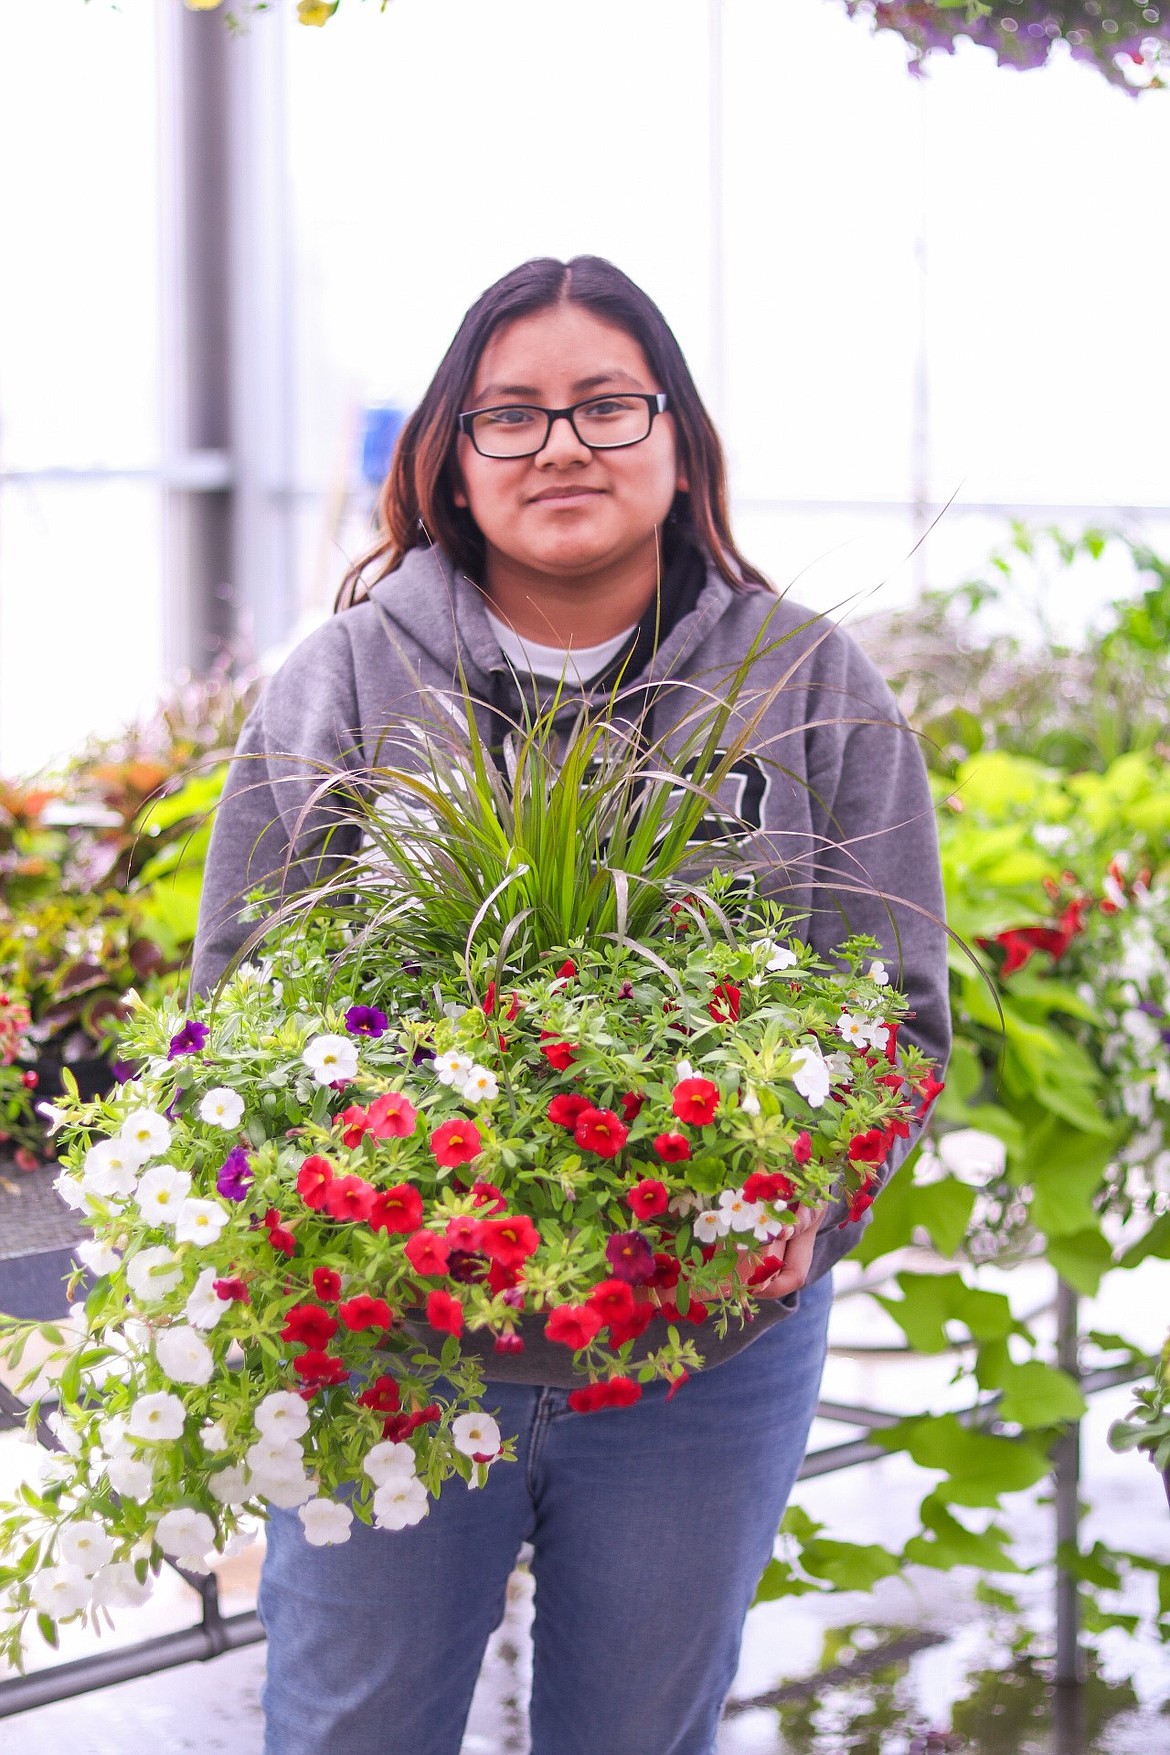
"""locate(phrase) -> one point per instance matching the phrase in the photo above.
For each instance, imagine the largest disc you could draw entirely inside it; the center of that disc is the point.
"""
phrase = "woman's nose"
(562, 444)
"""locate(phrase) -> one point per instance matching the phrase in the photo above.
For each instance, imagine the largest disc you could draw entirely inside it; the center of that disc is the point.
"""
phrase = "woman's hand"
(792, 1251)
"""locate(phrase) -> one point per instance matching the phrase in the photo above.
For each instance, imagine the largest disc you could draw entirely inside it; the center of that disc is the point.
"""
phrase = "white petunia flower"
(161, 1193)
(200, 1221)
(152, 1273)
(282, 1416)
(111, 1168)
(475, 1435)
(183, 1355)
(158, 1417)
(684, 1070)
(839, 1067)
(147, 1133)
(480, 1086)
(780, 957)
(64, 1433)
(878, 973)
(183, 1532)
(100, 1258)
(769, 1227)
(709, 1227)
(741, 1214)
(811, 1076)
(287, 1493)
(330, 1058)
(84, 1544)
(222, 1107)
(272, 1460)
(749, 1103)
(60, 1591)
(54, 1117)
(212, 1437)
(132, 1477)
(204, 1306)
(452, 1068)
(117, 1587)
(853, 1030)
(72, 1191)
(400, 1503)
(112, 1436)
(231, 1486)
(326, 1522)
(389, 1462)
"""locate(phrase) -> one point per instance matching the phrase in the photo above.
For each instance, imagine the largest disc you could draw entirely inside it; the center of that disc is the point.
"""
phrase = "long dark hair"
(417, 506)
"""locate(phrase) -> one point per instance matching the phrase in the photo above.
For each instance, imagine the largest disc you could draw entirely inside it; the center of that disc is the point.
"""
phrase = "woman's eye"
(507, 417)
(608, 405)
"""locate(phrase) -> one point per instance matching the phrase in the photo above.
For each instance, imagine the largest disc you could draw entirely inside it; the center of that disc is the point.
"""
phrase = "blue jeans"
(650, 1527)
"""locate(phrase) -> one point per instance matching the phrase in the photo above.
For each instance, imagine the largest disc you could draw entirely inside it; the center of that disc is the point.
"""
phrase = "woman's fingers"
(792, 1275)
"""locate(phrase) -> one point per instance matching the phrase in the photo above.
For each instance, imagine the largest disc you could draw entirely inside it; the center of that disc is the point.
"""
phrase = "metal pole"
(1067, 1472)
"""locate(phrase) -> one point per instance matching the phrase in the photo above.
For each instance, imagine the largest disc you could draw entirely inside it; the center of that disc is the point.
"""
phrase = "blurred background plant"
(101, 864)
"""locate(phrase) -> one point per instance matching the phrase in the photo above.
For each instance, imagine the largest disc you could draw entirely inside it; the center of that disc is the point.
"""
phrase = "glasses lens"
(613, 420)
(509, 432)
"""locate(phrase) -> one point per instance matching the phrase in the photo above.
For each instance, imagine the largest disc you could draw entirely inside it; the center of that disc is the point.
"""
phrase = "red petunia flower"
(600, 1131)
(354, 1124)
(560, 1055)
(630, 1257)
(427, 1254)
(326, 1283)
(869, 1147)
(638, 1322)
(505, 1279)
(509, 1242)
(567, 969)
(573, 1325)
(591, 1398)
(860, 1202)
(676, 1383)
(392, 1117)
(399, 1427)
(349, 1197)
(696, 1311)
(802, 1148)
(648, 1198)
(508, 1344)
(232, 1291)
(564, 1109)
(928, 1090)
(613, 1301)
(667, 1268)
(672, 1148)
(892, 1040)
(318, 1368)
(486, 1194)
(307, 1325)
(767, 1185)
(279, 1236)
(631, 1106)
(770, 1265)
(489, 999)
(724, 1003)
(313, 1181)
(397, 1209)
(464, 1232)
(455, 1142)
(444, 1312)
(383, 1396)
(363, 1311)
(695, 1101)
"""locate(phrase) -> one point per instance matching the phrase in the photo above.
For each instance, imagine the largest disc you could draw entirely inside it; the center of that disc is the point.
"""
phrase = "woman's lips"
(565, 496)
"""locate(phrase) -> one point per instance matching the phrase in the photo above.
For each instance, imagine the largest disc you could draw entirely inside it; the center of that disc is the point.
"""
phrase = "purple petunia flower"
(235, 1174)
(630, 1257)
(189, 1040)
(124, 1071)
(365, 1020)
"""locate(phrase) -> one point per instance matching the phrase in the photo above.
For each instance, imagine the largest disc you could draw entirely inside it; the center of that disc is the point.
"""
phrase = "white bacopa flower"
(200, 1221)
(131, 1476)
(183, 1355)
(400, 1503)
(222, 1107)
(161, 1193)
(878, 973)
(213, 1438)
(117, 1587)
(282, 1416)
(60, 1591)
(157, 1417)
(475, 1435)
(768, 1227)
(204, 1306)
(184, 1532)
(72, 1191)
(112, 1436)
(389, 1462)
(84, 1544)
(231, 1486)
(111, 1168)
(709, 1227)
(480, 1086)
(330, 1058)
(146, 1132)
(100, 1258)
(152, 1273)
(810, 1075)
(452, 1068)
(326, 1522)
(742, 1214)
(839, 1067)
(749, 1103)
(852, 1030)
(64, 1433)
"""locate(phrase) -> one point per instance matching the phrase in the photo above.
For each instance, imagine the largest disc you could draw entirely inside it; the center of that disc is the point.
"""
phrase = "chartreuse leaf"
(1062, 1198)
(950, 1543)
(1035, 1394)
(780, 1579)
(980, 1466)
(944, 1209)
(1097, 1567)
(929, 1301)
(1081, 1259)
(892, 1225)
(1155, 1242)
(848, 1565)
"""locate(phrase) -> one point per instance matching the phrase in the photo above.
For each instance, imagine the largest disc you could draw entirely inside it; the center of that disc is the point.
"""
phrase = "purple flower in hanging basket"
(365, 1020)
(189, 1040)
(630, 1258)
(124, 1071)
(235, 1174)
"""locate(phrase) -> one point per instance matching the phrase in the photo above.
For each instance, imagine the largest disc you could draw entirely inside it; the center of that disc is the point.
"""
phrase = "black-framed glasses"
(603, 423)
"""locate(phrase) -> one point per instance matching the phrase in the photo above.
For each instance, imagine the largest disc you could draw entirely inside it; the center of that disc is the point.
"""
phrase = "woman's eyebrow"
(528, 392)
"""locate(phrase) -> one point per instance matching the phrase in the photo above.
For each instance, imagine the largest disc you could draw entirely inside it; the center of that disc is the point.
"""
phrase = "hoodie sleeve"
(278, 823)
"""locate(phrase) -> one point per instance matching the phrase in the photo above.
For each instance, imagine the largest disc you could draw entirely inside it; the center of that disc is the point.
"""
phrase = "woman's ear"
(682, 484)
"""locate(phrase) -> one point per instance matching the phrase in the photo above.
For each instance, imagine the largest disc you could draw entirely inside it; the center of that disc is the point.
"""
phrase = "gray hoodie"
(839, 809)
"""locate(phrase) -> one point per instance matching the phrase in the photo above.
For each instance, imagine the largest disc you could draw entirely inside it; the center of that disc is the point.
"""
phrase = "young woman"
(557, 512)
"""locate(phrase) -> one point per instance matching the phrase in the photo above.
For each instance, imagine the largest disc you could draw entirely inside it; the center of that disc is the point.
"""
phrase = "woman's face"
(568, 511)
